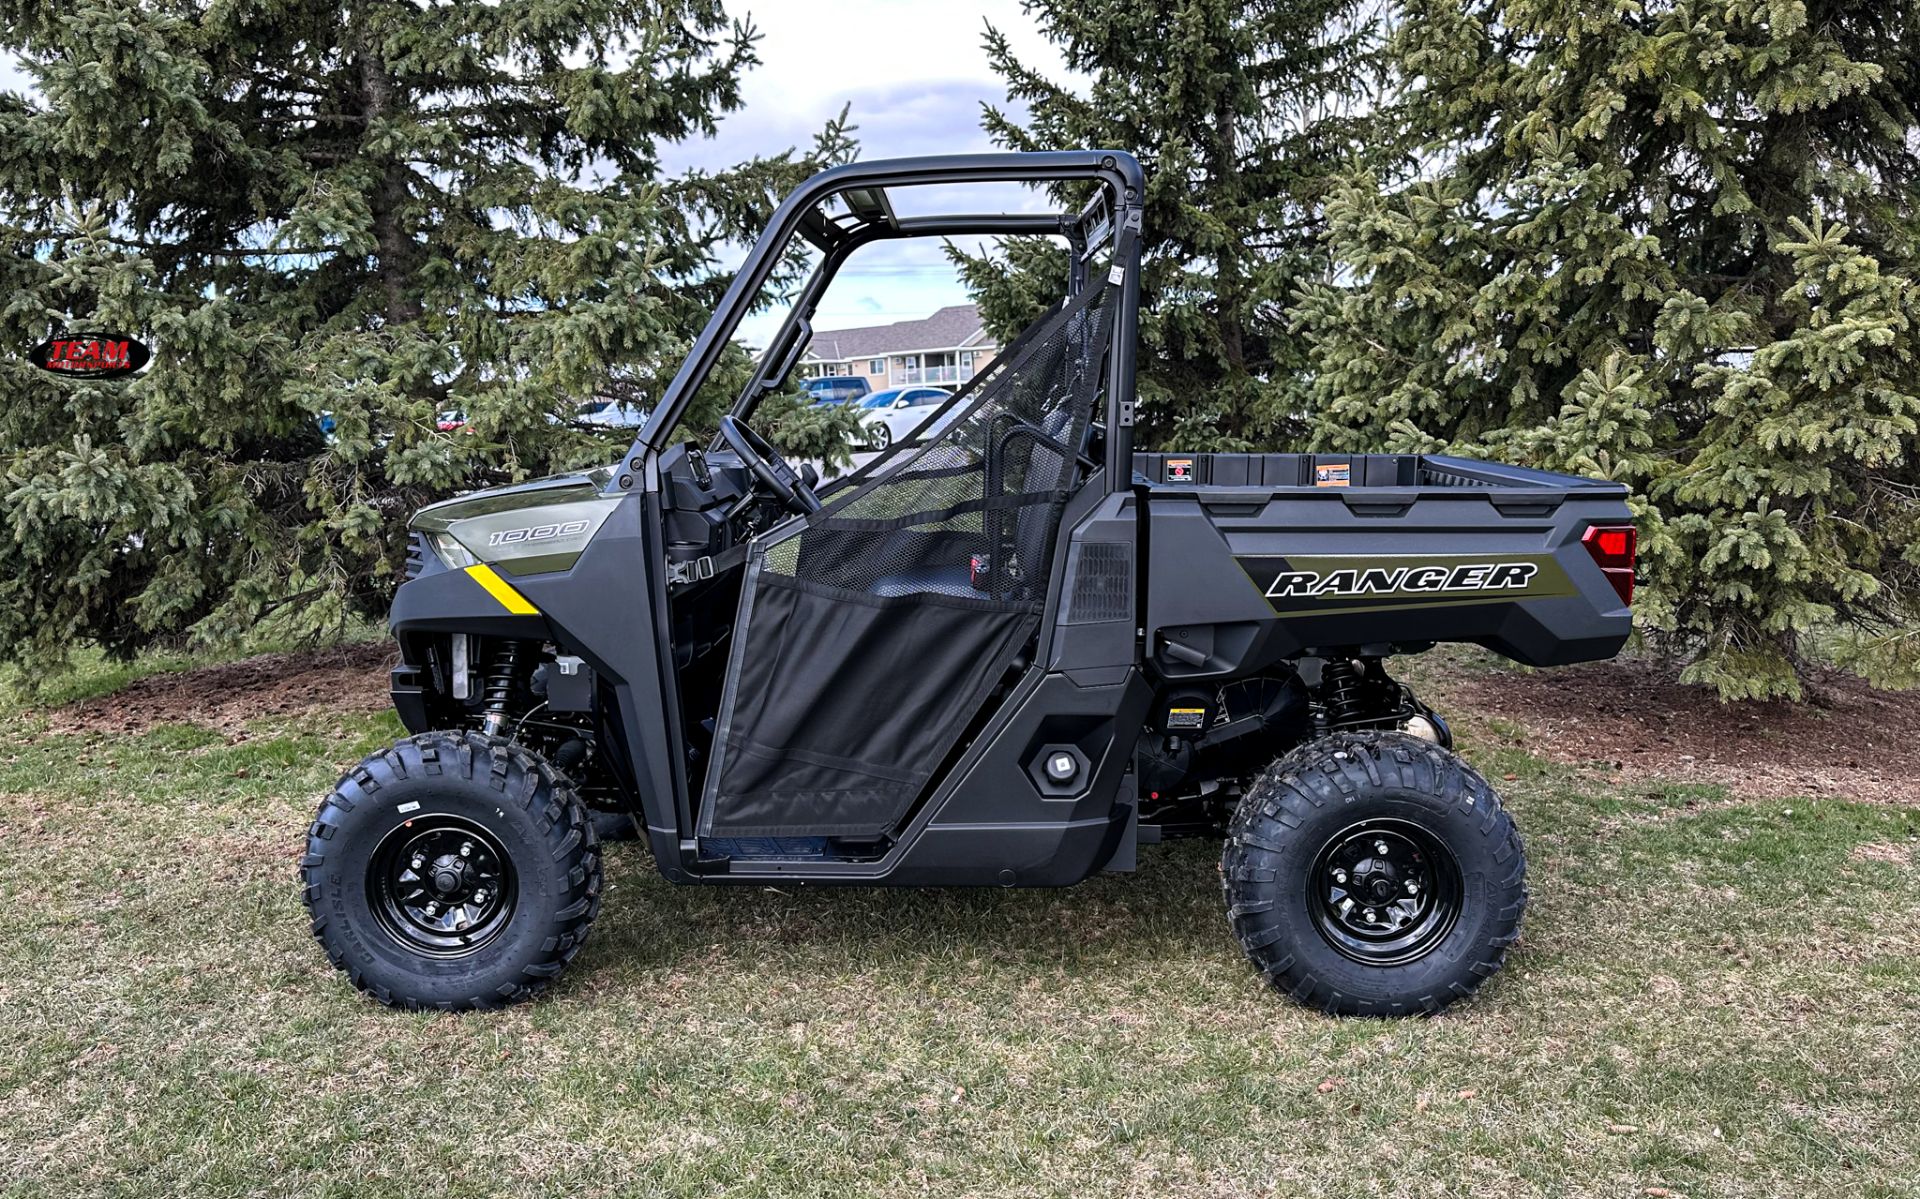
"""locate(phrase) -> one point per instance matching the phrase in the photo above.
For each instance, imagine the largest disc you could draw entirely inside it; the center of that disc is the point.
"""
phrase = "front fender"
(474, 600)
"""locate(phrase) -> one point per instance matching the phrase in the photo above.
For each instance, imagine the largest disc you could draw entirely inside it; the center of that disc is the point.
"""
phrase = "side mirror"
(809, 476)
(901, 403)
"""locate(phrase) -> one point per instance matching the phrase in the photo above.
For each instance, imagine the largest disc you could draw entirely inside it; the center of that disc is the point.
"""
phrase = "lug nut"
(1339, 876)
(1380, 847)
(1413, 888)
(1369, 915)
(433, 909)
(466, 848)
(418, 861)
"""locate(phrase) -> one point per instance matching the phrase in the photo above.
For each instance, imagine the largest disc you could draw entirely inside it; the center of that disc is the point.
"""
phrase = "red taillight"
(1612, 548)
(979, 568)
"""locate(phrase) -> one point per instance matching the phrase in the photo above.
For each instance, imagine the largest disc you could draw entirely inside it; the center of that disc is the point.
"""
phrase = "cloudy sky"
(915, 76)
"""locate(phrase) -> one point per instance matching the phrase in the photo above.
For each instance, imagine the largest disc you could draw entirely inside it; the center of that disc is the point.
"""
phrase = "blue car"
(837, 389)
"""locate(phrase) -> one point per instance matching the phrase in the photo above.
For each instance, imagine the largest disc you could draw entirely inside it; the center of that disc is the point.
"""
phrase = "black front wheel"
(452, 871)
(1374, 874)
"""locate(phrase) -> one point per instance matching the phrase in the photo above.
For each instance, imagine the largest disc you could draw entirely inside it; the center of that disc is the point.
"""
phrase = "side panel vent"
(417, 552)
(1099, 582)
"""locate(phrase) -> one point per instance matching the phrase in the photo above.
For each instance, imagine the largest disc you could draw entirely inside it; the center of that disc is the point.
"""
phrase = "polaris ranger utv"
(1005, 653)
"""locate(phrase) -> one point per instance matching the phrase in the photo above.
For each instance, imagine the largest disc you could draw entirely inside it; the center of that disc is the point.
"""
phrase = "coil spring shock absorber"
(502, 679)
(1340, 691)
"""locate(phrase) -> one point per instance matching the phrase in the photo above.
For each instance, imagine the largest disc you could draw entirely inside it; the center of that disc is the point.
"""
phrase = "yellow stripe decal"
(503, 591)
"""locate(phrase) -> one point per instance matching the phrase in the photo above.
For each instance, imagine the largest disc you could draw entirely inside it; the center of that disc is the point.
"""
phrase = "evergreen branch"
(187, 247)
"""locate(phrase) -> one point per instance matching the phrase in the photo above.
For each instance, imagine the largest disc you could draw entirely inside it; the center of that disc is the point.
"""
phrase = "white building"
(950, 346)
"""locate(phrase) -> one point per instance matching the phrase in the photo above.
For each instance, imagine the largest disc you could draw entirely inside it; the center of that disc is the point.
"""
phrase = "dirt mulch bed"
(1632, 715)
(1638, 719)
(349, 678)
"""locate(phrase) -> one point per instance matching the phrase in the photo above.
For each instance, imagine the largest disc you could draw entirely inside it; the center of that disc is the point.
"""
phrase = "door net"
(870, 633)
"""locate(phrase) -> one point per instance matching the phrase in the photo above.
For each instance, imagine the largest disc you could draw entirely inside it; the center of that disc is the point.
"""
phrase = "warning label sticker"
(1186, 718)
(1179, 470)
(1333, 474)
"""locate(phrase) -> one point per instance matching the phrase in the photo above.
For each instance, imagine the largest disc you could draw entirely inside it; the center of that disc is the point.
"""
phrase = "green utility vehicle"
(1006, 652)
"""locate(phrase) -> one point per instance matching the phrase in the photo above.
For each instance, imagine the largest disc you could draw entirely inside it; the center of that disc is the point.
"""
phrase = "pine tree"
(1675, 244)
(352, 215)
(1241, 113)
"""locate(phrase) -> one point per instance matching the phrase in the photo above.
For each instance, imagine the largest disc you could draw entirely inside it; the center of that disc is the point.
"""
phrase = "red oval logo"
(92, 355)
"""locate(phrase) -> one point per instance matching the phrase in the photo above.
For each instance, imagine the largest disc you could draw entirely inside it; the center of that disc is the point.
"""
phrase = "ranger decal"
(1477, 576)
(1322, 583)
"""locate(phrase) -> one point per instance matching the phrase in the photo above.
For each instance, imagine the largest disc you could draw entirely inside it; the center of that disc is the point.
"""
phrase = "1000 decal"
(537, 533)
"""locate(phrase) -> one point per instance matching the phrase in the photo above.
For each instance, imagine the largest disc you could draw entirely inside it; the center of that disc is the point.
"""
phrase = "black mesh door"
(870, 634)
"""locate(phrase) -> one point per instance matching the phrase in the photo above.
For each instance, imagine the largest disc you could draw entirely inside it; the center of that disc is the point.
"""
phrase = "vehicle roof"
(957, 326)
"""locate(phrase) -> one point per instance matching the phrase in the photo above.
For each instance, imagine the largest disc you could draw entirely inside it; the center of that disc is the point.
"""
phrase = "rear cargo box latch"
(1182, 653)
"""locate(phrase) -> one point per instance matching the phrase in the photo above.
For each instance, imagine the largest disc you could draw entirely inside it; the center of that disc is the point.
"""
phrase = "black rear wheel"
(1384, 891)
(1374, 874)
(453, 871)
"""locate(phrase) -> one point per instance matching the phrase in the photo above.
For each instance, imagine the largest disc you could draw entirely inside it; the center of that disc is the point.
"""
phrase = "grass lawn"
(1713, 998)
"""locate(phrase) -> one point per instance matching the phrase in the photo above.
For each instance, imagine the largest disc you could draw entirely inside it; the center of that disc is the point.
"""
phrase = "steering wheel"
(768, 466)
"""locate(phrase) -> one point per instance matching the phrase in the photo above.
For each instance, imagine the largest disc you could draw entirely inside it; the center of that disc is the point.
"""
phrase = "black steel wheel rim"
(442, 886)
(1384, 892)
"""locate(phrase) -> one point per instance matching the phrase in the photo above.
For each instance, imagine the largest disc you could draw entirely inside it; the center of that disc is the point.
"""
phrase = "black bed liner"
(1349, 470)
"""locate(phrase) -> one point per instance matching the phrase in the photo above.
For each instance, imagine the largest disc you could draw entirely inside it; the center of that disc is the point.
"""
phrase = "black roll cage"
(1112, 216)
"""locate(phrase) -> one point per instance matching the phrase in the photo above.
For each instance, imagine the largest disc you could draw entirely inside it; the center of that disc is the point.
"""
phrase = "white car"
(613, 414)
(897, 412)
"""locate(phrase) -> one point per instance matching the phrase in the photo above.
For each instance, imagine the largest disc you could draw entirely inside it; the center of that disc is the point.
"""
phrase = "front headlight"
(451, 553)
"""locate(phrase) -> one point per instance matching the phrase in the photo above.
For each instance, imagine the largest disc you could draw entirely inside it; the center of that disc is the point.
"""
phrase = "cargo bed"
(1255, 558)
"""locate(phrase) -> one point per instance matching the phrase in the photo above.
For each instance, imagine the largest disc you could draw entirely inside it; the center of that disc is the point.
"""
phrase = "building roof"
(951, 328)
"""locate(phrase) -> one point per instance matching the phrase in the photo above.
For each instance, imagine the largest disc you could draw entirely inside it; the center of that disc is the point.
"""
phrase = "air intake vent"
(417, 552)
(1099, 582)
